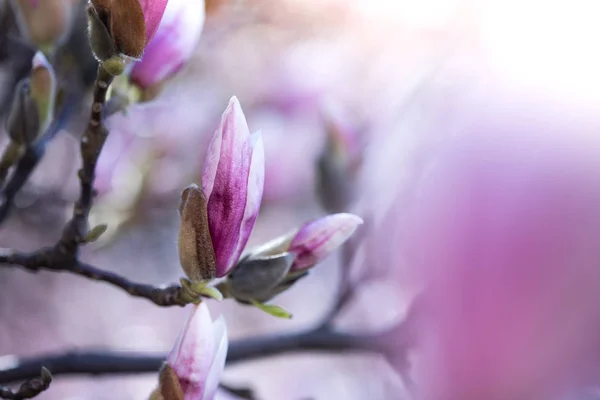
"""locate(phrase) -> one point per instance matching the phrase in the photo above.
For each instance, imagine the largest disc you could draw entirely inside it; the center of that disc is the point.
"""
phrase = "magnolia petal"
(153, 13)
(256, 183)
(225, 184)
(173, 44)
(317, 239)
(219, 357)
(192, 355)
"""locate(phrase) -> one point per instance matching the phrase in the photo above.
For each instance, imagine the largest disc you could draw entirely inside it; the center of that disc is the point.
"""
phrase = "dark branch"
(114, 363)
(92, 142)
(51, 260)
(30, 388)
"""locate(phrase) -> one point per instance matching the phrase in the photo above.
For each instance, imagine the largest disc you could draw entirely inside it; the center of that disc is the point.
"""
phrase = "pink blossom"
(232, 182)
(198, 356)
(317, 239)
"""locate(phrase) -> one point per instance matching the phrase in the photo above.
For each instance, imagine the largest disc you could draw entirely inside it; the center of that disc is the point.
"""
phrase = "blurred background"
(367, 86)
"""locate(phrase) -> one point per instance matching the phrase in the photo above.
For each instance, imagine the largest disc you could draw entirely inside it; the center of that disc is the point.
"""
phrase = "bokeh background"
(388, 74)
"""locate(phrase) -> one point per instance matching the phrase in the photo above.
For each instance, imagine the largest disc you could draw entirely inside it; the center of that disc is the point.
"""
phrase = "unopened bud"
(196, 252)
(43, 89)
(338, 166)
(23, 123)
(46, 23)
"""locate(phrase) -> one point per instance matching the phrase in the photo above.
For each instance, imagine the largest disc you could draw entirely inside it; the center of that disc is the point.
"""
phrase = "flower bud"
(232, 182)
(23, 123)
(46, 23)
(121, 29)
(173, 44)
(319, 238)
(275, 266)
(43, 88)
(197, 359)
(337, 167)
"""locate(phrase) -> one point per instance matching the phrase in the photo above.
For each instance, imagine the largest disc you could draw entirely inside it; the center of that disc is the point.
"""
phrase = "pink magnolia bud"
(232, 182)
(317, 239)
(277, 265)
(173, 44)
(198, 356)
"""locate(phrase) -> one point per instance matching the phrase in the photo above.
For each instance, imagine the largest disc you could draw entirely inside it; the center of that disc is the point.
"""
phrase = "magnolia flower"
(173, 44)
(216, 219)
(194, 366)
(121, 29)
(275, 266)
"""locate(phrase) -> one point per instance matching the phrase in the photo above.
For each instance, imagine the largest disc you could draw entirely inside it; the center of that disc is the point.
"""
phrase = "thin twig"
(50, 260)
(92, 142)
(114, 363)
(31, 158)
(30, 388)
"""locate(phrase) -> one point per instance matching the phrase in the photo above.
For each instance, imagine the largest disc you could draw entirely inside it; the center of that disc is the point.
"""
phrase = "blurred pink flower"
(173, 44)
(233, 181)
(504, 234)
(198, 356)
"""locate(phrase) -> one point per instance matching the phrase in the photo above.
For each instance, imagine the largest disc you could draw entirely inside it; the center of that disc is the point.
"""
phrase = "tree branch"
(50, 260)
(30, 388)
(114, 363)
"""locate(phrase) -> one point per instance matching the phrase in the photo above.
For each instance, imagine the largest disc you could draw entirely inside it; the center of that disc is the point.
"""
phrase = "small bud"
(95, 233)
(319, 238)
(46, 23)
(43, 89)
(338, 166)
(196, 252)
(116, 28)
(23, 123)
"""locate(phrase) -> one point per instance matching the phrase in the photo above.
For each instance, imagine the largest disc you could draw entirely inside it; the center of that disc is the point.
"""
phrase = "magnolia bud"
(122, 28)
(275, 266)
(46, 23)
(43, 89)
(338, 166)
(23, 123)
(196, 252)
